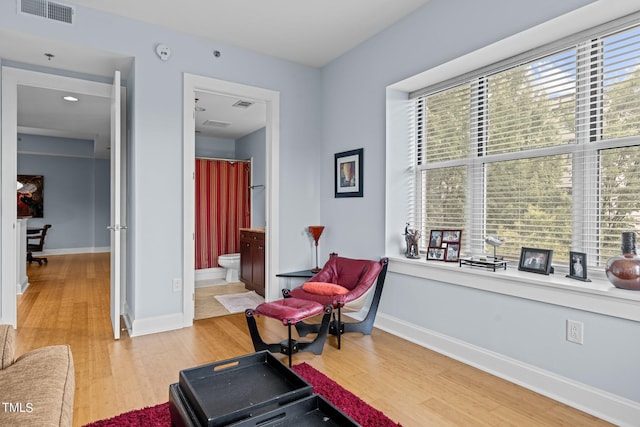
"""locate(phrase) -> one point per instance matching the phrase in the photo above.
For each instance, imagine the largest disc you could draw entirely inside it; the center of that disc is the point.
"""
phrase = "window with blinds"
(543, 152)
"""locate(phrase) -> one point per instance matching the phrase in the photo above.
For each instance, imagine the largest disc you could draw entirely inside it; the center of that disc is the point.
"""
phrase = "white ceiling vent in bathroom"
(216, 123)
(47, 9)
(243, 104)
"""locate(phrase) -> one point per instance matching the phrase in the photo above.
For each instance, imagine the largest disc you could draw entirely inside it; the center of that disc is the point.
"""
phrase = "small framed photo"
(435, 239)
(451, 236)
(536, 260)
(453, 252)
(578, 266)
(444, 245)
(348, 173)
(436, 254)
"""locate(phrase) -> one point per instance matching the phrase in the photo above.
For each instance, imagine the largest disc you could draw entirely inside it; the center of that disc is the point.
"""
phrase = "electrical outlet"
(575, 331)
(177, 285)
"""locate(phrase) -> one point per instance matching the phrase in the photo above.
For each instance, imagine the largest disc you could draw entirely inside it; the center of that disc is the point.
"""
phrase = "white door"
(117, 227)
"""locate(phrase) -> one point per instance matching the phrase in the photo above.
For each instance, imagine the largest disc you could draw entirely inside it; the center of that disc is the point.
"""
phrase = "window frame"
(587, 144)
(598, 296)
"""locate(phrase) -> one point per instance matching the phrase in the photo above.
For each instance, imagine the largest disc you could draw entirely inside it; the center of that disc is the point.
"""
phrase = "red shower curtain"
(222, 208)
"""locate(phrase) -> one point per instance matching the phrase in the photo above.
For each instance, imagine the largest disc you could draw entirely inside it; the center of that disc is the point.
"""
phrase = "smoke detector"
(163, 51)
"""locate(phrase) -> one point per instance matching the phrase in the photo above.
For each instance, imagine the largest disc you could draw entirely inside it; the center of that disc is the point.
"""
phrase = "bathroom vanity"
(252, 260)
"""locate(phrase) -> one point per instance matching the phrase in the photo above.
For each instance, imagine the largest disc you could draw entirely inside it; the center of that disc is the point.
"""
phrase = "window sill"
(598, 296)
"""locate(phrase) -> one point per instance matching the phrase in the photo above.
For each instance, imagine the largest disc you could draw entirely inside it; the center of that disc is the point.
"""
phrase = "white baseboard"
(210, 274)
(72, 251)
(156, 324)
(126, 315)
(21, 287)
(607, 406)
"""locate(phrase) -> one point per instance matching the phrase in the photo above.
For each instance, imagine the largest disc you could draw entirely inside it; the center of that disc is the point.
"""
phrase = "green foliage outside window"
(497, 154)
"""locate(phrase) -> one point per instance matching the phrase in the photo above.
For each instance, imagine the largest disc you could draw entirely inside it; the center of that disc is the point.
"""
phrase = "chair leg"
(258, 343)
(305, 329)
(290, 346)
(317, 345)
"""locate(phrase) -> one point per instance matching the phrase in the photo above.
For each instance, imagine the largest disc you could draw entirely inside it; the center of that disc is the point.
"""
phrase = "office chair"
(35, 243)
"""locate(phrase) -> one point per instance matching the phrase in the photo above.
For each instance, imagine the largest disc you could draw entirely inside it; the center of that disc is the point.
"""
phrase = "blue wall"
(76, 191)
(353, 116)
(222, 148)
(253, 146)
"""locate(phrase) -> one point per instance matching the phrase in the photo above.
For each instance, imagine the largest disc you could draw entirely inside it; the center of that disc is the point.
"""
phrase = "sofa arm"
(41, 386)
(7, 345)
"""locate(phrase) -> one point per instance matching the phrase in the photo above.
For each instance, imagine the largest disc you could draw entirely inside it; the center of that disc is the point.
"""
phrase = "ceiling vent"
(243, 104)
(216, 124)
(47, 9)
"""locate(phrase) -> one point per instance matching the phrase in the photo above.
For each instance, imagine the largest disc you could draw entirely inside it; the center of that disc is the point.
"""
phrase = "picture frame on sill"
(453, 252)
(436, 254)
(435, 239)
(444, 245)
(451, 236)
(349, 173)
(536, 260)
(578, 266)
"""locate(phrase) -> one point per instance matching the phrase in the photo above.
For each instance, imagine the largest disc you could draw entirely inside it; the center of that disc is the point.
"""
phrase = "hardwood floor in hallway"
(67, 302)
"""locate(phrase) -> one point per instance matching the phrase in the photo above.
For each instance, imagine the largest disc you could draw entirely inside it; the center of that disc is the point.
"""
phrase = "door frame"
(192, 84)
(11, 79)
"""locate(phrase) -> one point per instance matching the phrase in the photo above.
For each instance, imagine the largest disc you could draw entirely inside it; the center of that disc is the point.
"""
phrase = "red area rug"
(347, 402)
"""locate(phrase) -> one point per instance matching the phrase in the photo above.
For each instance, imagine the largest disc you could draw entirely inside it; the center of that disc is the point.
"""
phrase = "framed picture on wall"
(348, 173)
(30, 196)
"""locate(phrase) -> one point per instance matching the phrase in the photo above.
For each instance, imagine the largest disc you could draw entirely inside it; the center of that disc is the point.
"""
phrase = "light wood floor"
(207, 306)
(68, 302)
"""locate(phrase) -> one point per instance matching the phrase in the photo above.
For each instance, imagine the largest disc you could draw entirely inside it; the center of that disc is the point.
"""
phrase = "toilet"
(232, 263)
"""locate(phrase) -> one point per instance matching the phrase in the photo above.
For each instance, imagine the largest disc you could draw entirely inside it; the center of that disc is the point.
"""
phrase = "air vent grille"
(216, 123)
(243, 104)
(47, 9)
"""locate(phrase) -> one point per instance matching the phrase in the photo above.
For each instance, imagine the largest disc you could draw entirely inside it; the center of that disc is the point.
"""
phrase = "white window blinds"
(542, 153)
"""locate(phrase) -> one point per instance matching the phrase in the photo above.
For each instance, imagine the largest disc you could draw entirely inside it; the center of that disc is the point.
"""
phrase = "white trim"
(598, 296)
(592, 15)
(604, 405)
(11, 79)
(192, 84)
(210, 274)
(22, 287)
(153, 325)
(71, 251)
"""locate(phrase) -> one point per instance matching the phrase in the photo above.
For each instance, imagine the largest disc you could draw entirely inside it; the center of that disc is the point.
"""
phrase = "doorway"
(230, 174)
(194, 85)
(12, 79)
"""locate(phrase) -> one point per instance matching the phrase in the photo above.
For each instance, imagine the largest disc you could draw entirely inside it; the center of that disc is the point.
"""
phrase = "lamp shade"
(316, 232)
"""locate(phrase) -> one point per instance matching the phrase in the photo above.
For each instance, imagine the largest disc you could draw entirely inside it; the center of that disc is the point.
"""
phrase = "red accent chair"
(358, 277)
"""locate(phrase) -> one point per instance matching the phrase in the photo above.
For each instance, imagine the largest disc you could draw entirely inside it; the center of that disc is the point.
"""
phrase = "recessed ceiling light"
(70, 98)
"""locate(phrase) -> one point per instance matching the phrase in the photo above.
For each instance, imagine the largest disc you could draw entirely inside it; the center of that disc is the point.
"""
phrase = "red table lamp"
(316, 232)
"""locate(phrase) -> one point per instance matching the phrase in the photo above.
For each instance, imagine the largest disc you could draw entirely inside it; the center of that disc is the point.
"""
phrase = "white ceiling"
(308, 32)
(303, 31)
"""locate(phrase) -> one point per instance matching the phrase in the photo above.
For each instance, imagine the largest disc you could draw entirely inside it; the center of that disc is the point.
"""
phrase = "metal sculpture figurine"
(411, 237)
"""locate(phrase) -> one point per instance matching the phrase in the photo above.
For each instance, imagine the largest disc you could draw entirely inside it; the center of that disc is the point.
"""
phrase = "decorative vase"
(624, 270)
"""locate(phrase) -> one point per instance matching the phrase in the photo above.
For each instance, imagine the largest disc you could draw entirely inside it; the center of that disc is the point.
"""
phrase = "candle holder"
(316, 232)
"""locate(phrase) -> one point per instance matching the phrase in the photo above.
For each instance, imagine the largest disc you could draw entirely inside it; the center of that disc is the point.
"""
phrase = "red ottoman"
(290, 311)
